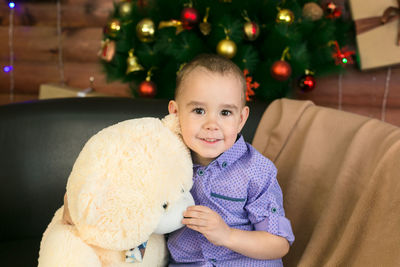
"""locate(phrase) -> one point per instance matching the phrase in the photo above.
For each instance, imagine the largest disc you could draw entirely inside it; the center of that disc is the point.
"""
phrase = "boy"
(238, 219)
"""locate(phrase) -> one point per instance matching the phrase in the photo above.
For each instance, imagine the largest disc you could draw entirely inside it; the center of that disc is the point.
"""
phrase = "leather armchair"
(39, 142)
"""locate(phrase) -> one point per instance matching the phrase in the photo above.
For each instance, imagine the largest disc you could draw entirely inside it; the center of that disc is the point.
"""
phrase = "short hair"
(213, 63)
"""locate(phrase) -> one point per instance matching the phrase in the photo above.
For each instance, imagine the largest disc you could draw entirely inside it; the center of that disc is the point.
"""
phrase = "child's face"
(211, 113)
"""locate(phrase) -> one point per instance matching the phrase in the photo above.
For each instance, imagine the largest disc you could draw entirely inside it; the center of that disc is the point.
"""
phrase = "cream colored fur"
(130, 180)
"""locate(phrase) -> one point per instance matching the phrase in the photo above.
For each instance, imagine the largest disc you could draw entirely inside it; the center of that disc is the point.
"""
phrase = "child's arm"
(66, 217)
(253, 244)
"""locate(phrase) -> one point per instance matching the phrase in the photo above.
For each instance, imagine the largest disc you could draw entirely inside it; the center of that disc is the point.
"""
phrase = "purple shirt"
(241, 186)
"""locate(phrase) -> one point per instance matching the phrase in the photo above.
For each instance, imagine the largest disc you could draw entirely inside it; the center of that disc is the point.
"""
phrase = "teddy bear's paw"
(171, 122)
(61, 247)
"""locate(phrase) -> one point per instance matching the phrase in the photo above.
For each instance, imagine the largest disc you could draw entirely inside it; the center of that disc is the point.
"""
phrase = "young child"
(238, 219)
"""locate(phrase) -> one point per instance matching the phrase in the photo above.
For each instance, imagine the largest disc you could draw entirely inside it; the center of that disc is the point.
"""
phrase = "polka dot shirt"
(241, 186)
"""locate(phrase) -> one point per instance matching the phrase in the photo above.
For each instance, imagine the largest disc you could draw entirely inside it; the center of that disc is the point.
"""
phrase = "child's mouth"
(210, 140)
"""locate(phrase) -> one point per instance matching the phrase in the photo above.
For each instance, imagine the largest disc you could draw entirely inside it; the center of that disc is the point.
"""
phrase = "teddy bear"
(129, 185)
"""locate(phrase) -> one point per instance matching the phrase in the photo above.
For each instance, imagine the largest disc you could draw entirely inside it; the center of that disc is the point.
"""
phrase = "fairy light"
(9, 69)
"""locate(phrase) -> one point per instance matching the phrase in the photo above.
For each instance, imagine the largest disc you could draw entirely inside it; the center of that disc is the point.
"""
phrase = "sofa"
(338, 172)
(39, 143)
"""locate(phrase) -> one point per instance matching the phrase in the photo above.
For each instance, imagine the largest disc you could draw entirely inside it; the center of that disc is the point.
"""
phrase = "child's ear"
(172, 107)
(244, 114)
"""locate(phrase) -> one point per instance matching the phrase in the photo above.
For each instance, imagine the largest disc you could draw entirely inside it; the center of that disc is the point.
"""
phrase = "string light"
(9, 69)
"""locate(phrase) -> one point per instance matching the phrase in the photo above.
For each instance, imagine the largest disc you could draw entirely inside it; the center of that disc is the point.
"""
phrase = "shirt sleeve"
(265, 204)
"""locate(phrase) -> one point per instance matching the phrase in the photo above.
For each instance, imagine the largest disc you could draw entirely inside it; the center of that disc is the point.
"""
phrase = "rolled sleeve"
(265, 208)
(284, 228)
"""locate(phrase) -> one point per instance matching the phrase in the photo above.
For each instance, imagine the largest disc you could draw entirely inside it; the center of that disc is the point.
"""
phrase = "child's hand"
(207, 222)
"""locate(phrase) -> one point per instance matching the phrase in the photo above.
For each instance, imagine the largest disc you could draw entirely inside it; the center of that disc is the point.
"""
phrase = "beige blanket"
(340, 176)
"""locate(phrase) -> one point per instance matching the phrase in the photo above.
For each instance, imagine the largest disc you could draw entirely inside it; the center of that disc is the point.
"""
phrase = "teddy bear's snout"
(173, 215)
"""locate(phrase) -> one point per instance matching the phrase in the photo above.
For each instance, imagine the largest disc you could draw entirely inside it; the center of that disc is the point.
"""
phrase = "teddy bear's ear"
(171, 121)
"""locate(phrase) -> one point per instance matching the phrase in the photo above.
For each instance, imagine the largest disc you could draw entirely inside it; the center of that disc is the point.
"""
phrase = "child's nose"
(211, 123)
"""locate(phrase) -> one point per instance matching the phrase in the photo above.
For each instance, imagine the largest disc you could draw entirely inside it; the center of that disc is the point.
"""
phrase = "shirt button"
(273, 210)
(200, 172)
(224, 164)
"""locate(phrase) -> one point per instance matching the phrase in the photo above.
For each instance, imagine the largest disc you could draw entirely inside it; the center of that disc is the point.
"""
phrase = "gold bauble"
(312, 11)
(125, 9)
(113, 27)
(285, 16)
(145, 30)
(227, 48)
(251, 30)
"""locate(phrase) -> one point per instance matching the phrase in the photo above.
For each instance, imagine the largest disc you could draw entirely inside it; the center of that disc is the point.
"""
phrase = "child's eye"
(226, 113)
(199, 111)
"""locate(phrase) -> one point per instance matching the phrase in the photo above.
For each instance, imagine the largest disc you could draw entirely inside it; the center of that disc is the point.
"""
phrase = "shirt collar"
(229, 156)
(232, 154)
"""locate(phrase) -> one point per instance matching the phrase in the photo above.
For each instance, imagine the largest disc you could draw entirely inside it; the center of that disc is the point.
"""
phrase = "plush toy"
(129, 185)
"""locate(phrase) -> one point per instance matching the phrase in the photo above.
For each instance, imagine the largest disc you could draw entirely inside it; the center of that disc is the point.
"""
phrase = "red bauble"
(189, 17)
(307, 83)
(333, 10)
(147, 89)
(281, 70)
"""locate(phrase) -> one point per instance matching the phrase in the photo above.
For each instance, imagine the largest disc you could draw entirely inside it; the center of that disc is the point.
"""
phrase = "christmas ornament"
(333, 11)
(342, 56)
(189, 18)
(281, 70)
(251, 29)
(227, 48)
(147, 88)
(125, 9)
(172, 23)
(312, 11)
(145, 30)
(132, 63)
(113, 28)
(250, 85)
(285, 16)
(107, 50)
(307, 81)
(205, 27)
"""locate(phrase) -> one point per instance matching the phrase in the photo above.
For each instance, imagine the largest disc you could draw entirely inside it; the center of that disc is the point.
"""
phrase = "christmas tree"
(278, 44)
